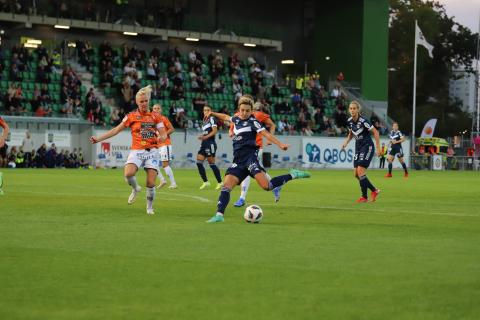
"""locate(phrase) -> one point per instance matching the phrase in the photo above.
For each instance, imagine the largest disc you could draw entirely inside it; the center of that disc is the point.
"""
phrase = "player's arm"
(108, 134)
(169, 128)
(376, 136)
(274, 139)
(221, 116)
(349, 137)
(4, 136)
(271, 128)
(162, 132)
(230, 130)
(211, 134)
(402, 139)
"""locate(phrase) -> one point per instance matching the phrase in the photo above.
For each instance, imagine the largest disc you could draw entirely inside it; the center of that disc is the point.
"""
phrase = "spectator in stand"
(51, 157)
(164, 82)
(274, 91)
(217, 86)
(236, 87)
(115, 118)
(27, 144)
(67, 108)
(281, 126)
(151, 73)
(296, 98)
(78, 107)
(127, 94)
(99, 116)
(335, 92)
(41, 112)
(11, 157)
(40, 156)
(340, 77)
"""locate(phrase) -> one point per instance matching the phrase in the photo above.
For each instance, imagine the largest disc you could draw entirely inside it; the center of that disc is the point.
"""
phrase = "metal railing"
(426, 162)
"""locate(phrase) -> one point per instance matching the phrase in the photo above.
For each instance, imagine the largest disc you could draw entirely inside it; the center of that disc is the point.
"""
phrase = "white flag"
(420, 40)
(428, 129)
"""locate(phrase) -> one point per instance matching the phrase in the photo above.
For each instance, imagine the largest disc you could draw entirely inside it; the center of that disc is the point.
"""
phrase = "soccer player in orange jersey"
(265, 120)
(148, 132)
(166, 152)
(3, 138)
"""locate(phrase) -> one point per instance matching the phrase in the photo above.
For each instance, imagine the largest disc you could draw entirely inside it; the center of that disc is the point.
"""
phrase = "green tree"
(454, 45)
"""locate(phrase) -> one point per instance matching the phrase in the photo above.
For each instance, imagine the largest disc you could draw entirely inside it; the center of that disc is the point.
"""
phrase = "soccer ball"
(253, 214)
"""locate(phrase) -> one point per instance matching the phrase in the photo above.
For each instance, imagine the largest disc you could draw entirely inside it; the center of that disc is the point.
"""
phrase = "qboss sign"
(328, 153)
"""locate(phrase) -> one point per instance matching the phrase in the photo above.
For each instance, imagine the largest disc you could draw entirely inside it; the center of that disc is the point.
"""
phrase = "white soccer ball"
(253, 214)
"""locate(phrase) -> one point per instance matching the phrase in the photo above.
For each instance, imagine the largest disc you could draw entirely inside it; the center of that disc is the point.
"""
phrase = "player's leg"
(151, 177)
(243, 193)
(201, 169)
(129, 172)
(167, 168)
(1, 182)
(229, 183)
(216, 171)
(163, 182)
(390, 158)
(269, 184)
(404, 166)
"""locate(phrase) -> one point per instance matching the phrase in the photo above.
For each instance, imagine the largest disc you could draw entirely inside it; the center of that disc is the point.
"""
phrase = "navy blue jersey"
(207, 127)
(244, 140)
(361, 131)
(396, 136)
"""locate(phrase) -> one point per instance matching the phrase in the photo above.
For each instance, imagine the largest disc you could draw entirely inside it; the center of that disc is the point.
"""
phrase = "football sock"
(201, 170)
(150, 197)
(363, 185)
(369, 184)
(279, 181)
(160, 176)
(132, 181)
(223, 200)
(216, 172)
(169, 172)
(390, 168)
(404, 166)
(245, 185)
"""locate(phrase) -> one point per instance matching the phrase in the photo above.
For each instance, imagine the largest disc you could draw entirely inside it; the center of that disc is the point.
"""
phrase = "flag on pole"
(420, 40)
(429, 128)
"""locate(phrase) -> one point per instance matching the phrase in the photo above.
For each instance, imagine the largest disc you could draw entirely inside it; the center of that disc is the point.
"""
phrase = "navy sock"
(390, 167)
(223, 200)
(369, 184)
(216, 172)
(201, 170)
(404, 166)
(363, 185)
(279, 181)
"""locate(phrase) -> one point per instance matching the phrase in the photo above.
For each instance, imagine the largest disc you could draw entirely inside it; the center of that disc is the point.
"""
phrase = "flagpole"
(414, 104)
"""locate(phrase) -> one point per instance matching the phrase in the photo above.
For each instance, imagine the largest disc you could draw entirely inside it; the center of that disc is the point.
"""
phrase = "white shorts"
(143, 158)
(166, 153)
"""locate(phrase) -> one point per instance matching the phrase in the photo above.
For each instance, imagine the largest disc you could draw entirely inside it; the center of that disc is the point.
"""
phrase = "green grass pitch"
(71, 248)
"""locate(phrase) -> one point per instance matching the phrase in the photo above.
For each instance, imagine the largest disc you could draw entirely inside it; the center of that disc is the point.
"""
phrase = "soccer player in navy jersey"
(395, 150)
(359, 128)
(208, 149)
(245, 156)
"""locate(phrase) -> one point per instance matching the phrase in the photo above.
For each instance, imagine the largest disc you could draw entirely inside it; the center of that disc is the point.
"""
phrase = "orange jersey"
(261, 117)
(144, 129)
(168, 125)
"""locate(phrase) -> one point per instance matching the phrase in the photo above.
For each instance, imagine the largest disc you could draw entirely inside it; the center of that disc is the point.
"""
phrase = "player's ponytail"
(147, 91)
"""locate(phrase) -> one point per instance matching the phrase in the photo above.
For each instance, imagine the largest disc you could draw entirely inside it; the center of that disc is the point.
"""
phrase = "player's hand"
(200, 138)
(379, 153)
(344, 146)
(284, 146)
(231, 134)
(269, 143)
(93, 140)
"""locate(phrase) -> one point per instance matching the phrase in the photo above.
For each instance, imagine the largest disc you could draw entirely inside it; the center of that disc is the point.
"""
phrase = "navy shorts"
(208, 150)
(245, 168)
(396, 152)
(363, 156)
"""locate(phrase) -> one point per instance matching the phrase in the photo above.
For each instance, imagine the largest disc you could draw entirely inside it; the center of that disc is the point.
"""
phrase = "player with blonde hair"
(148, 131)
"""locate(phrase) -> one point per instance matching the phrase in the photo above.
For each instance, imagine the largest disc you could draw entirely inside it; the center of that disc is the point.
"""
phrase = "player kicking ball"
(245, 156)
